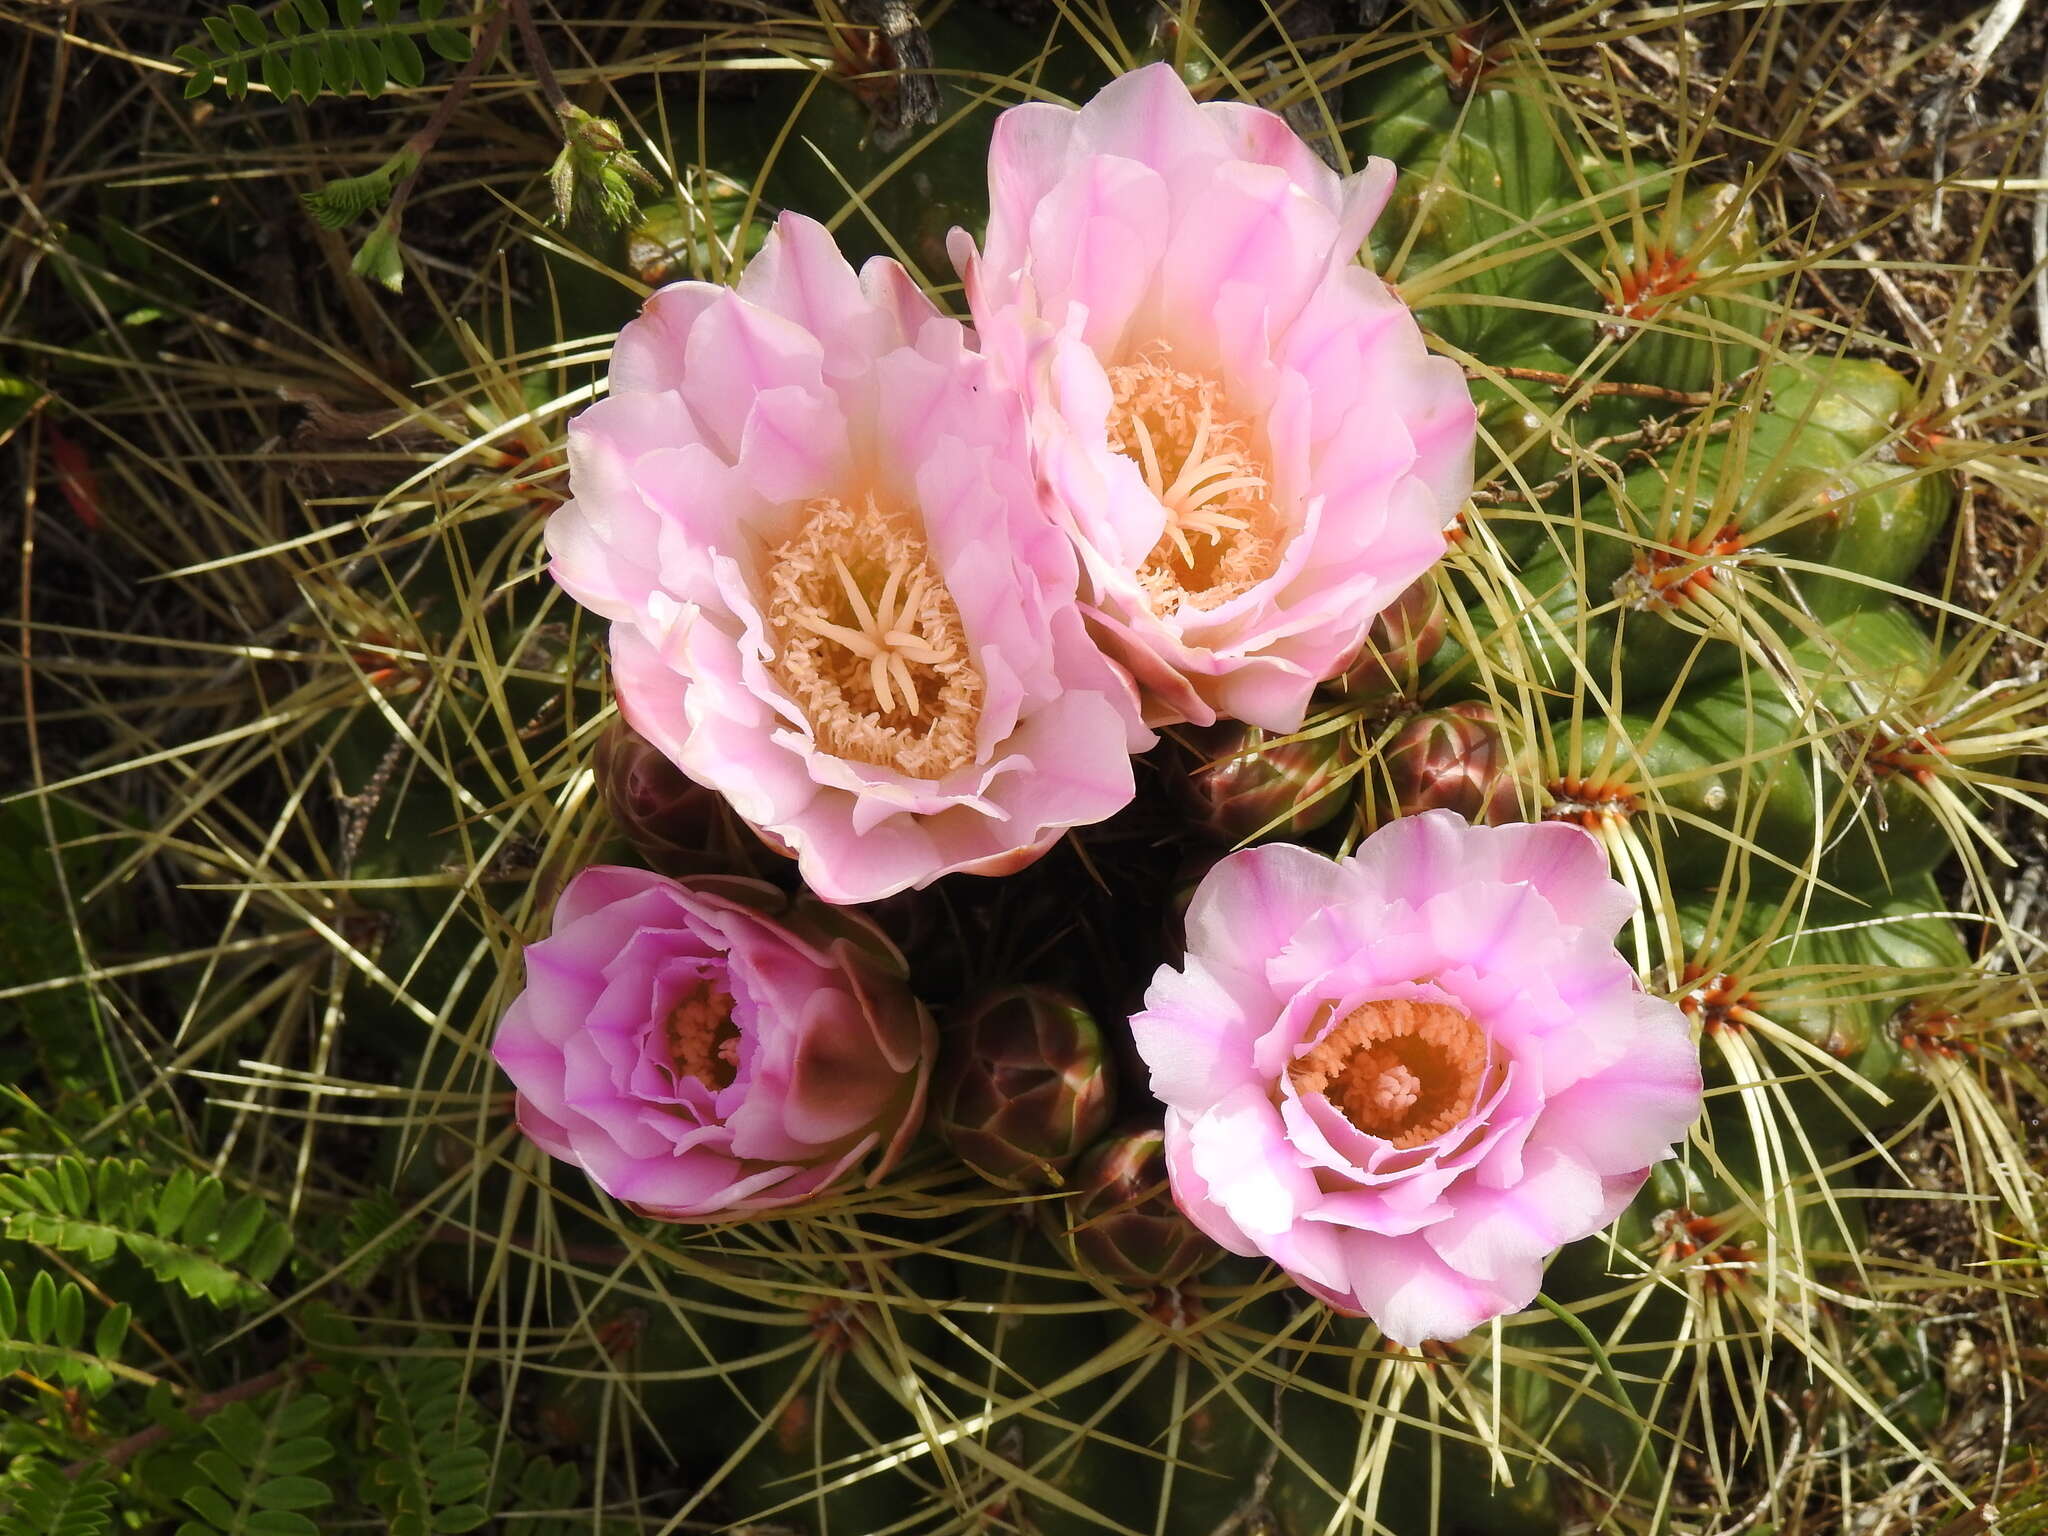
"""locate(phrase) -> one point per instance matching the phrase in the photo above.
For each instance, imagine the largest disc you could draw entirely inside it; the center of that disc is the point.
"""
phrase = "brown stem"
(1607, 386)
(121, 1452)
(537, 57)
(430, 131)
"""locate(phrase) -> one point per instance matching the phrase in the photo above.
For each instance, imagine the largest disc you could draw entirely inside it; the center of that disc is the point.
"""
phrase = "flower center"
(869, 642)
(1401, 1070)
(703, 1041)
(1222, 532)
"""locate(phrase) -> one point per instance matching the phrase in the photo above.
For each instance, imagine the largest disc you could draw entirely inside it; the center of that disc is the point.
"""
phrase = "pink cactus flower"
(1253, 450)
(1411, 1075)
(835, 595)
(705, 1052)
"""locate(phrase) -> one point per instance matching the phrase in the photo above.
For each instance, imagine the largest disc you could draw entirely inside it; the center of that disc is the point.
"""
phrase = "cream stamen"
(1162, 414)
(882, 679)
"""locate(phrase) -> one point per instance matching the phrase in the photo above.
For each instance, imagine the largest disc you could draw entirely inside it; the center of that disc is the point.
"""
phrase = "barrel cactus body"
(1678, 613)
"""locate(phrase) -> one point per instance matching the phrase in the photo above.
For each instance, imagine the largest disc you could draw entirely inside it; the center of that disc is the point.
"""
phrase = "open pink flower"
(702, 1059)
(1411, 1075)
(836, 596)
(1254, 451)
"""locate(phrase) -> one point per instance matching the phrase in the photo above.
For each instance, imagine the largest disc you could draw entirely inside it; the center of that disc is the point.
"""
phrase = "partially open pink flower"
(1411, 1075)
(704, 1051)
(1254, 450)
(836, 597)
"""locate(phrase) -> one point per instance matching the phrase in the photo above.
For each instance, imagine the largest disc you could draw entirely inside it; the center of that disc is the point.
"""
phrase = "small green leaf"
(112, 1332)
(277, 1522)
(70, 1318)
(463, 1517)
(370, 67)
(306, 70)
(225, 1471)
(315, 14)
(191, 56)
(212, 1506)
(7, 1312)
(200, 83)
(292, 1493)
(175, 1202)
(277, 74)
(249, 24)
(452, 45)
(378, 260)
(402, 58)
(297, 1455)
(42, 1302)
(223, 35)
(338, 63)
(288, 21)
(74, 1181)
(204, 1216)
(350, 11)
(387, 11)
(238, 79)
(238, 1225)
(300, 1416)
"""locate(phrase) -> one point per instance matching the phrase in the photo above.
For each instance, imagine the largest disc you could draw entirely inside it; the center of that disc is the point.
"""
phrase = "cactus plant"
(1702, 605)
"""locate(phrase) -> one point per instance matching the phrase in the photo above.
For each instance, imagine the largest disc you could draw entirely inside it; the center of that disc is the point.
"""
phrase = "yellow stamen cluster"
(1405, 1071)
(703, 1041)
(869, 642)
(1163, 416)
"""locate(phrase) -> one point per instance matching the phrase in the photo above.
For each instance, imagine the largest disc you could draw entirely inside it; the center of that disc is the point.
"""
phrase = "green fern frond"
(373, 1234)
(303, 50)
(40, 1500)
(432, 1471)
(183, 1229)
(257, 1480)
(44, 1334)
(348, 198)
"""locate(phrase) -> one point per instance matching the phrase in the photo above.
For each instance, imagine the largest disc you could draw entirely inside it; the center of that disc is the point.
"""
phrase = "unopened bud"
(1022, 1086)
(674, 822)
(1249, 785)
(1123, 1223)
(1403, 637)
(1453, 759)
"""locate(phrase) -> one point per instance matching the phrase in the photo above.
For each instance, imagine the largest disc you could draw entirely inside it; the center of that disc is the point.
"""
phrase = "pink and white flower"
(705, 1051)
(835, 595)
(1411, 1075)
(1251, 446)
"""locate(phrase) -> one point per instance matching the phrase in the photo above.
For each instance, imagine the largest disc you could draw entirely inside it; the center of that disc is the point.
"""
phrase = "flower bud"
(1453, 759)
(1403, 637)
(1022, 1086)
(672, 821)
(1247, 786)
(1122, 1221)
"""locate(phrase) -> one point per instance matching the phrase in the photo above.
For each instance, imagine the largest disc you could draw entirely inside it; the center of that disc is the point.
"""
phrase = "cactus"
(1696, 607)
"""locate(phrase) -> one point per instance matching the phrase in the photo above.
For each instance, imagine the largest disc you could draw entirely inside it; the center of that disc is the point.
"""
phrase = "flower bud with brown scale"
(1023, 1085)
(1123, 1222)
(1453, 759)
(1248, 785)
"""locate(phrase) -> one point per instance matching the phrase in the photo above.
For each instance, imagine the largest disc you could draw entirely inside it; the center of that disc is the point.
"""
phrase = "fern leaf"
(45, 1334)
(184, 1230)
(348, 198)
(256, 1481)
(432, 1472)
(311, 51)
(40, 1500)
